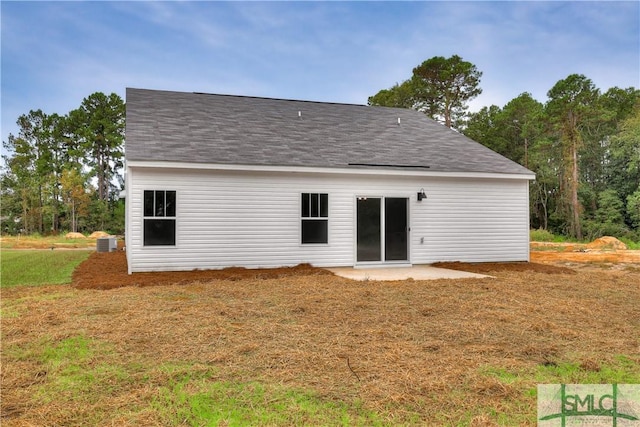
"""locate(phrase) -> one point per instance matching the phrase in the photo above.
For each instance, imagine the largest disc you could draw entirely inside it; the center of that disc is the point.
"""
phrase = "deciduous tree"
(75, 195)
(633, 208)
(30, 164)
(571, 104)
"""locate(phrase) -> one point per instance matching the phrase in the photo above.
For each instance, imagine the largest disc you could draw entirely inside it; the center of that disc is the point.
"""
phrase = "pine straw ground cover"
(313, 349)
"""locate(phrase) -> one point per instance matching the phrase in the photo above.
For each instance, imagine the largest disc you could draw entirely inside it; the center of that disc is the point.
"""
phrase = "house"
(215, 181)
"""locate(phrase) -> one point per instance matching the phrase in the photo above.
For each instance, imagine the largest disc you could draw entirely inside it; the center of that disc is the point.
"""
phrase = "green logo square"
(592, 405)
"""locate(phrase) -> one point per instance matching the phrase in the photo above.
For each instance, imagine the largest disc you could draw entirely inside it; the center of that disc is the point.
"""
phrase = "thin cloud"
(54, 54)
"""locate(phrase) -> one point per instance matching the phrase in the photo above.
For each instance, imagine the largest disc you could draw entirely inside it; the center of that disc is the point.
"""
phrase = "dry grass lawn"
(456, 352)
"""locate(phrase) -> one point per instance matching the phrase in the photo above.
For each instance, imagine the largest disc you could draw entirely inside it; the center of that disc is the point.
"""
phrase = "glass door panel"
(395, 229)
(369, 238)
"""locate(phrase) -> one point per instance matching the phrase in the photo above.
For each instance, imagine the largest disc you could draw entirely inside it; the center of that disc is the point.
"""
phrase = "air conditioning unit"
(106, 244)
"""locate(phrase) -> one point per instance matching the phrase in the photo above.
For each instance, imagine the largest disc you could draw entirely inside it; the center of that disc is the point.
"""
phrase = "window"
(159, 218)
(315, 218)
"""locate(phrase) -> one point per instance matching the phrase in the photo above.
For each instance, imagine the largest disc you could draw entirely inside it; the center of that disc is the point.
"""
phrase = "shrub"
(632, 241)
(541, 235)
(595, 229)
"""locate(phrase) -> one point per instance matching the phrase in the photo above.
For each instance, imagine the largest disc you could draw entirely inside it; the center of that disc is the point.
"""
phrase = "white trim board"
(315, 170)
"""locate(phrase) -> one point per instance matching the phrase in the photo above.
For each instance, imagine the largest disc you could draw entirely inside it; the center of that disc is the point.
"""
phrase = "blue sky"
(56, 53)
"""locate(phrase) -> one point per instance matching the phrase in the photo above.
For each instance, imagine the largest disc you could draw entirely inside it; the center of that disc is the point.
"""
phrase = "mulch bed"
(109, 271)
(490, 267)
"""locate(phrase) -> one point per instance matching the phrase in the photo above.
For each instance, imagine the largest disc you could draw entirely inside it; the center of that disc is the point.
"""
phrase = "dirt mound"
(607, 243)
(108, 270)
(489, 267)
(98, 234)
(74, 235)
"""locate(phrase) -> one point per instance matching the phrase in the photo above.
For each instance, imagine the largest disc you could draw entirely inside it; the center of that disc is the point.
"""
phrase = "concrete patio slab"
(415, 272)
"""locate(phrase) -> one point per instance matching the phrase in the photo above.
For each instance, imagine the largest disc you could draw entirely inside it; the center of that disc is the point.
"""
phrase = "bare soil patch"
(602, 250)
(615, 257)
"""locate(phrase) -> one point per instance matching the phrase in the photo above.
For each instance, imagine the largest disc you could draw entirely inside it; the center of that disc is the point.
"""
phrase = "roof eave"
(359, 170)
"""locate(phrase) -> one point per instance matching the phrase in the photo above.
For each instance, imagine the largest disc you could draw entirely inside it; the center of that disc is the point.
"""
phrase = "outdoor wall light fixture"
(421, 195)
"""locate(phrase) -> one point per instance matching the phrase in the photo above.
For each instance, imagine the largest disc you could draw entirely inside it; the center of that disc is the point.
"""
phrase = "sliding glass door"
(382, 229)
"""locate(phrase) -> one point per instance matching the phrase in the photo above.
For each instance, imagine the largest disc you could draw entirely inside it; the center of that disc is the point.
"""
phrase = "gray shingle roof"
(224, 129)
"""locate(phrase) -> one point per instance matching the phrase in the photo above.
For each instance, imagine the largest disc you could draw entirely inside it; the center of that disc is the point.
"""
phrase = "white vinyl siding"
(473, 221)
(253, 219)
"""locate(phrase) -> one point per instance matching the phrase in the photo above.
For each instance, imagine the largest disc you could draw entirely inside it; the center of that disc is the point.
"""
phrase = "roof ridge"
(268, 98)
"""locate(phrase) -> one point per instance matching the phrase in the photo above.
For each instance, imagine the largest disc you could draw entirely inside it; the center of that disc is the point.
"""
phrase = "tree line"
(582, 143)
(64, 172)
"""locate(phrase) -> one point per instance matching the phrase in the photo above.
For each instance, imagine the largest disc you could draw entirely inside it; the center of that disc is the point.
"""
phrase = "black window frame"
(314, 218)
(159, 216)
